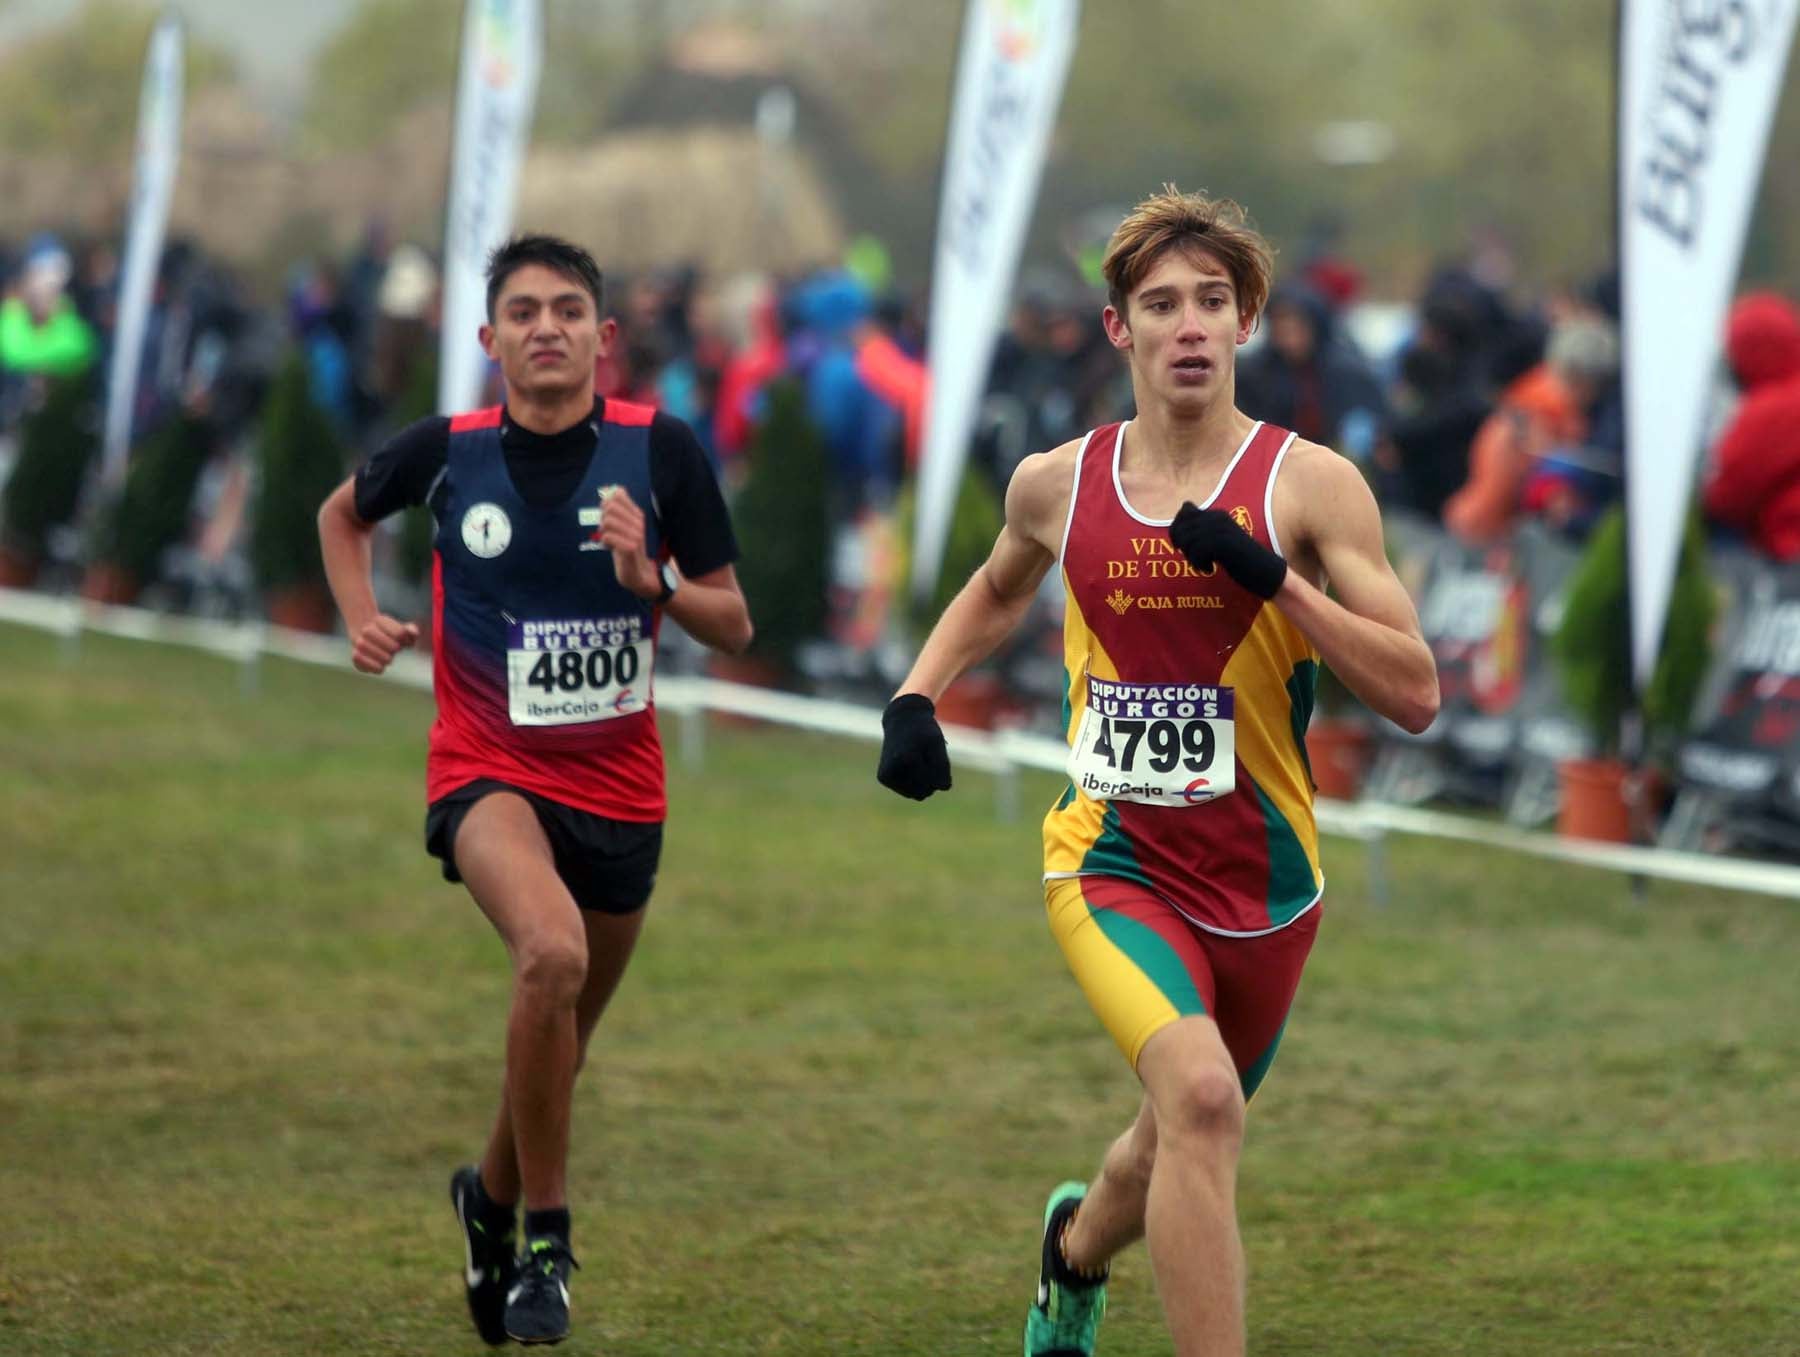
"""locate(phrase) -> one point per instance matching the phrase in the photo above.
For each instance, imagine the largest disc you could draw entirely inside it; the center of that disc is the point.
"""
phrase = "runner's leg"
(610, 940)
(505, 859)
(1190, 1216)
(1112, 1213)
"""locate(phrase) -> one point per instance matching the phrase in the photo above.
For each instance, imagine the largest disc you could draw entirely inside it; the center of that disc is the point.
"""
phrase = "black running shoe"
(537, 1306)
(489, 1265)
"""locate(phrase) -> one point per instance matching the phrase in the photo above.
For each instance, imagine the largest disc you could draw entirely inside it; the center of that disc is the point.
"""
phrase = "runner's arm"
(375, 638)
(998, 594)
(711, 609)
(1368, 634)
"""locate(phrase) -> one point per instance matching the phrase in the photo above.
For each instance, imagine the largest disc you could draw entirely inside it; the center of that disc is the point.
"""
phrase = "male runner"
(1181, 865)
(557, 518)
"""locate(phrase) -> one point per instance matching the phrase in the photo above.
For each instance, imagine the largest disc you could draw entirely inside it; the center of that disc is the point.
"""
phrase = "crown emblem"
(1119, 601)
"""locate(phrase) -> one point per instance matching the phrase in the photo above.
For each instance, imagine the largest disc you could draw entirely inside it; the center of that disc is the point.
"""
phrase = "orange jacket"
(1536, 413)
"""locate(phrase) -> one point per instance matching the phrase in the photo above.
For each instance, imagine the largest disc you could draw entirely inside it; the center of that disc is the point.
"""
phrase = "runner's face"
(1181, 329)
(546, 333)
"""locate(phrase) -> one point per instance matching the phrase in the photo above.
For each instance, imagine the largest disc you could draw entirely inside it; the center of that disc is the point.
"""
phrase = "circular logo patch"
(486, 530)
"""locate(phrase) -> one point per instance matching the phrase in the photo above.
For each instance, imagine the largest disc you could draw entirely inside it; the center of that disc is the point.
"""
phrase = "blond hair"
(1173, 220)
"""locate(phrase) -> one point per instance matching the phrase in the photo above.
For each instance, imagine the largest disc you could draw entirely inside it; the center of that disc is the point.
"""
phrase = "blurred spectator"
(758, 361)
(41, 332)
(897, 378)
(1308, 378)
(320, 324)
(862, 431)
(404, 336)
(1754, 485)
(1524, 455)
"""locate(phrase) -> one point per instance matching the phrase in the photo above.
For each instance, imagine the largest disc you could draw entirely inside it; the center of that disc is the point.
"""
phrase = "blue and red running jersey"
(543, 663)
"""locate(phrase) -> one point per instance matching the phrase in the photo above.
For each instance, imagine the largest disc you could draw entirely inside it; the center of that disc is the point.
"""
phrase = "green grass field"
(246, 1032)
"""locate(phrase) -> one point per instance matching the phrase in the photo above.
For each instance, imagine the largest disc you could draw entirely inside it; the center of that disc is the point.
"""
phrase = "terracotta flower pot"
(756, 671)
(974, 700)
(304, 607)
(1594, 804)
(1339, 753)
(104, 582)
(17, 571)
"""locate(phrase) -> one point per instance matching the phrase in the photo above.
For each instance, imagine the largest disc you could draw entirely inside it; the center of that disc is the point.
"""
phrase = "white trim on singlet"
(1204, 927)
(1074, 493)
(1269, 495)
(1125, 504)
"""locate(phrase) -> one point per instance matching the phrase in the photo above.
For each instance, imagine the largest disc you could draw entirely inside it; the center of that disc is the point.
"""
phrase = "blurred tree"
(74, 87)
(1500, 116)
(392, 56)
(395, 55)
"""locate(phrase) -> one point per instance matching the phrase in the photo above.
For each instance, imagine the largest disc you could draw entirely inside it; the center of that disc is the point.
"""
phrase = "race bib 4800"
(587, 669)
(1162, 744)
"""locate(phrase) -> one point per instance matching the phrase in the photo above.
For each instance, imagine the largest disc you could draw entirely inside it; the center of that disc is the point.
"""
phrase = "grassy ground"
(245, 1033)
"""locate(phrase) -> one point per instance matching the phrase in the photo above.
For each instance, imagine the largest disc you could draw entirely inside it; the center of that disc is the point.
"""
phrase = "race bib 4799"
(1162, 744)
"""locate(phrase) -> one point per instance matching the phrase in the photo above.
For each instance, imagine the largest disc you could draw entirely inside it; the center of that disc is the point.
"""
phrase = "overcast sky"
(273, 40)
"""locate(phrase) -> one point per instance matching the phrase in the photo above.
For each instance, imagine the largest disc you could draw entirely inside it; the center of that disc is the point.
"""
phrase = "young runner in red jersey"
(1181, 865)
(568, 528)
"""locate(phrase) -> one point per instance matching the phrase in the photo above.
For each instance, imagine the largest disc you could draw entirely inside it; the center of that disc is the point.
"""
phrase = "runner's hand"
(622, 532)
(381, 638)
(1211, 536)
(914, 760)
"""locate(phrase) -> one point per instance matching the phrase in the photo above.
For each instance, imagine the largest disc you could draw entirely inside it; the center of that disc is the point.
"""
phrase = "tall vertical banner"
(502, 53)
(152, 189)
(1698, 88)
(1009, 81)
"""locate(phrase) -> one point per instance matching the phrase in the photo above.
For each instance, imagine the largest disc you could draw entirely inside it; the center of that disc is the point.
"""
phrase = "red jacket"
(1754, 485)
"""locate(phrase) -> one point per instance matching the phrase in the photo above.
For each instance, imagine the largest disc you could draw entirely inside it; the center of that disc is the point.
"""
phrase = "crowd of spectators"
(1483, 408)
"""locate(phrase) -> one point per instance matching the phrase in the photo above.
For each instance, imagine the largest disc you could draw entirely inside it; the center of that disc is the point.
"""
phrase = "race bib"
(1161, 744)
(566, 673)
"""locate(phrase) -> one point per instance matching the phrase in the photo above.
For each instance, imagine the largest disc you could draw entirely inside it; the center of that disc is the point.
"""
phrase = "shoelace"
(543, 1256)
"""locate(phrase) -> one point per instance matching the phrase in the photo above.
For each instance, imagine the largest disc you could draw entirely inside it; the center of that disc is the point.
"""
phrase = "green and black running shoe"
(1064, 1320)
(537, 1306)
(489, 1264)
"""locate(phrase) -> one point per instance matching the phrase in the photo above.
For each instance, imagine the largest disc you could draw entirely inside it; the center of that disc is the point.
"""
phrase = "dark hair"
(555, 254)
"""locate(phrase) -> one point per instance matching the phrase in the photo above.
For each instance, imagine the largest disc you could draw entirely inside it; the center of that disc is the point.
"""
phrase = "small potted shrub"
(300, 461)
(1592, 653)
(783, 523)
(58, 442)
(975, 698)
(150, 513)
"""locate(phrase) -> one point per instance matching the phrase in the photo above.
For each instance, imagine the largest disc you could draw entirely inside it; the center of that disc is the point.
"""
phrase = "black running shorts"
(608, 865)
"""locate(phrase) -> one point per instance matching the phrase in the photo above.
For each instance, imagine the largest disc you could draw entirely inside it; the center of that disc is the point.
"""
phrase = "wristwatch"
(670, 583)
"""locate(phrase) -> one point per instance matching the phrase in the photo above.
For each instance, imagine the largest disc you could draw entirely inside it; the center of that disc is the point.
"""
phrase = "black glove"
(914, 761)
(1206, 536)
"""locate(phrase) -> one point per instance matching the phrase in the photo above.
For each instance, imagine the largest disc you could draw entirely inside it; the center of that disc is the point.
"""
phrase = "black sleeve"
(689, 504)
(400, 472)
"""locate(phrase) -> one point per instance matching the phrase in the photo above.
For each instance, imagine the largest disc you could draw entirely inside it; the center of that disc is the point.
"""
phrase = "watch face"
(486, 530)
(669, 579)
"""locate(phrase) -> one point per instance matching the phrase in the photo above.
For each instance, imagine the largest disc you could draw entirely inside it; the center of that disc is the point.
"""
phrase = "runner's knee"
(1205, 1102)
(553, 966)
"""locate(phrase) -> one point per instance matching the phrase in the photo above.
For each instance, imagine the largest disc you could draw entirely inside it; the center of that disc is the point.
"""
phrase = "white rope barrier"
(1001, 752)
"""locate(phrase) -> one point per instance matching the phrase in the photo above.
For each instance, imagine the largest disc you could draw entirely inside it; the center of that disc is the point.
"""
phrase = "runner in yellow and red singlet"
(1181, 864)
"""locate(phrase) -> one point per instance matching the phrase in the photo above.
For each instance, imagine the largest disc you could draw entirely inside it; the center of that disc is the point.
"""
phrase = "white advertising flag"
(1698, 87)
(502, 52)
(152, 189)
(1009, 81)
